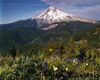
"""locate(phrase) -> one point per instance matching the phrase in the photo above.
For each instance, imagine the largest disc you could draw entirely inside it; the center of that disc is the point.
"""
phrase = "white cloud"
(92, 12)
(90, 8)
(70, 2)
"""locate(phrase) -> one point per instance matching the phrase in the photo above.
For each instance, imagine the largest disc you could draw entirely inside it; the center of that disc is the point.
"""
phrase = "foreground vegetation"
(53, 61)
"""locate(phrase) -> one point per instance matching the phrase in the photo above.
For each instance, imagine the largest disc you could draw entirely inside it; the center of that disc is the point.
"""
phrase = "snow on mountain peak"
(52, 14)
(51, 7)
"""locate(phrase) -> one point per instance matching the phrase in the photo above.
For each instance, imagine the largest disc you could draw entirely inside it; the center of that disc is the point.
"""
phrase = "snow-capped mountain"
(48, 19)
(59, 25)
(53, 14)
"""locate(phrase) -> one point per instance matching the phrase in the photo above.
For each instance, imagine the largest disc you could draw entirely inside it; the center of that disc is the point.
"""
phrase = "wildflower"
(67, 58)
(50, 50)
(55, 68)
(45, 64)
(74, 61)
(56, 54)
(43, 71)
(72, 58)
(66, 69)
(86, 64)
(78, 60)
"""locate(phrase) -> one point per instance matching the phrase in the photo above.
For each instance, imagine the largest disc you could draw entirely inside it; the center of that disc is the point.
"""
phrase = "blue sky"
(13, 10)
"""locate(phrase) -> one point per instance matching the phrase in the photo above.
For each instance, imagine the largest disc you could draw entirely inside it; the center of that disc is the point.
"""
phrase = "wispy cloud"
(70, 2)
(84, 8)
(92, 12)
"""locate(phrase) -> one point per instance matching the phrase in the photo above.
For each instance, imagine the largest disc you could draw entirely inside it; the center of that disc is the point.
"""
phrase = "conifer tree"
(93, 54)
(14, 51)
(83, 48)
(70, 47)
(61, 47)
(87, 54)
(51, 44)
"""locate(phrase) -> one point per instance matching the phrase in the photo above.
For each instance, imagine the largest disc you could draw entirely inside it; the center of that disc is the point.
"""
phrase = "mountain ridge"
(52, 14)
(49, 16)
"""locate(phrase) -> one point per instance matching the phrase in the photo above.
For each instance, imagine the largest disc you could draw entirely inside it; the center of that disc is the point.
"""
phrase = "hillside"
(19, 36)
(64, 30)
(92, 36)
(17, 24)
(28, 35)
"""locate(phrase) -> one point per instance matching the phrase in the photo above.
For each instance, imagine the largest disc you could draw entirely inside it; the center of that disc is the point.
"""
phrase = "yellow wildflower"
(50, 50)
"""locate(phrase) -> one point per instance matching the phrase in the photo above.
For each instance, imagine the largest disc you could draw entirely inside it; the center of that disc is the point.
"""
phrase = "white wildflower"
(86, 64)
(55, 68)
(66, 69)
(74, 61)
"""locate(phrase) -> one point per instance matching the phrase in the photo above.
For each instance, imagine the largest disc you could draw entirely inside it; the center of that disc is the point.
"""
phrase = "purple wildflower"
(67, 58)
(45, 64)
(56, 53)
(78, 60)
(72, 58)
(43, 71)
